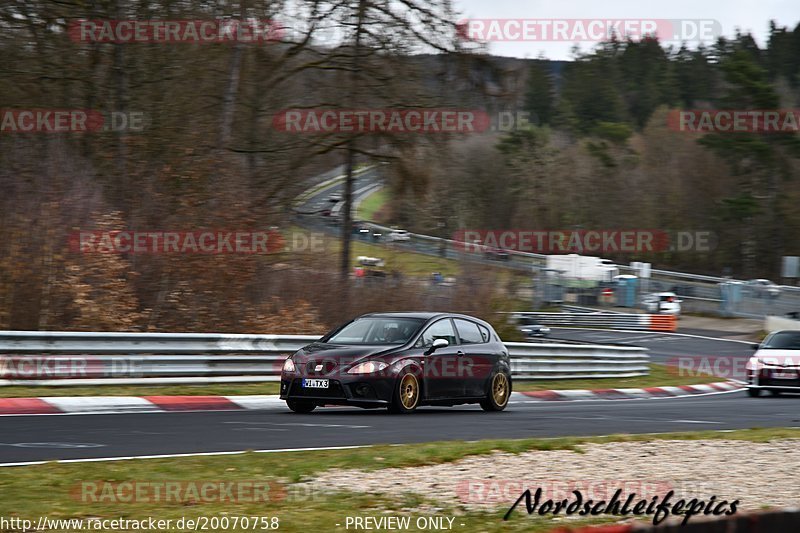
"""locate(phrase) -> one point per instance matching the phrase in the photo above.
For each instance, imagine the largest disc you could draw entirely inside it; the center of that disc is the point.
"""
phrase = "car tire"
(407, 393)
(775, 393)
(753, 393)
(301, 406)
(499, 392)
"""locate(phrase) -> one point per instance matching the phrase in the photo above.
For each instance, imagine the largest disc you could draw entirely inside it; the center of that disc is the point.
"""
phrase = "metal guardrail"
(700, 293)
(604, 320)
(566, 308)
(570, 361)
(150, 343)
(33, 358)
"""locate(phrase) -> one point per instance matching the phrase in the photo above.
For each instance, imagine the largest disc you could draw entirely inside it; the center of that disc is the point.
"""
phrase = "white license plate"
(315, 383)
(784, 374)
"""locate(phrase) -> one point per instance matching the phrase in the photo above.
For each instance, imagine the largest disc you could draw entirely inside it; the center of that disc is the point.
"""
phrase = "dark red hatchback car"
(401, 361)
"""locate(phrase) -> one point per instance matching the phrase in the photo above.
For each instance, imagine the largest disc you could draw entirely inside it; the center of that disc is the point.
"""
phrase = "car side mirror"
(437, 343)
(756, 346)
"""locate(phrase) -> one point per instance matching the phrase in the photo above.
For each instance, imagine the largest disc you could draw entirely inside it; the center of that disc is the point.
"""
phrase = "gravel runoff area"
(757, 474)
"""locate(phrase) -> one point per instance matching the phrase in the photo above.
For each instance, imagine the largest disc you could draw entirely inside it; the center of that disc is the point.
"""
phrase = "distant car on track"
(398, 235)
(335, 198)
(760, 288)
(496, 254)
(535, 330)
(364, 260)
(530, 326)
(775, 366)
(663, 303)
(401, 361)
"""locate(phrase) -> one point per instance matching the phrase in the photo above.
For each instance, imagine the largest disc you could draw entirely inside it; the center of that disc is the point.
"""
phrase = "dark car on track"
(496, 254)
(401, 361)
(534, 330)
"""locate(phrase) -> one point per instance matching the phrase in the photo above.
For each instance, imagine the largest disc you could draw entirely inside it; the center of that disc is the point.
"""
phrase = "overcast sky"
(746, 15)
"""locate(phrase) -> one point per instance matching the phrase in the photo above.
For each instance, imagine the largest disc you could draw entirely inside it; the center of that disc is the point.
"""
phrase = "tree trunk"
(229, 98)
(348, 183)
(347, 215)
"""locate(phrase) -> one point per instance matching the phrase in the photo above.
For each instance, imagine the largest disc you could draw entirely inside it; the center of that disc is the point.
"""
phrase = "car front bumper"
(357, 389)
(787, 379)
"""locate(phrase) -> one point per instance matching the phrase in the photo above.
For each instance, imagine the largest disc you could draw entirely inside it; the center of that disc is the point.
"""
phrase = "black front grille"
(777, 382)
(320, 368)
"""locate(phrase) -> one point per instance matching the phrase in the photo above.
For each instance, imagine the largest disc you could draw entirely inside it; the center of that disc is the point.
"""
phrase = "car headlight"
(368, 368)
(773, 363)
(288, 365)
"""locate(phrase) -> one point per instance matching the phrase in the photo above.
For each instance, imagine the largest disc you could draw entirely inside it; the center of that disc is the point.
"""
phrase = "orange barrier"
(663, 323)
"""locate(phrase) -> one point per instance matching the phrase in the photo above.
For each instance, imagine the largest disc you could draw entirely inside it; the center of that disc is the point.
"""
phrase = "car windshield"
(786, 340)
(374, 330)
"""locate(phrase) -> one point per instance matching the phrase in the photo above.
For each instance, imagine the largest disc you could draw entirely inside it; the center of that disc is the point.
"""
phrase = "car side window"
(443, 329)
(485, 335)
(468, 332)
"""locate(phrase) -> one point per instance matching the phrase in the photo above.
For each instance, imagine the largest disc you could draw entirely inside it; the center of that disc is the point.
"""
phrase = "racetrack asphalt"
(728, 354)
(49, 437)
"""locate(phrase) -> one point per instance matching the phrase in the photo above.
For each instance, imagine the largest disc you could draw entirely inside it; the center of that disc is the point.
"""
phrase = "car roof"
(424, 315)
(404, 314)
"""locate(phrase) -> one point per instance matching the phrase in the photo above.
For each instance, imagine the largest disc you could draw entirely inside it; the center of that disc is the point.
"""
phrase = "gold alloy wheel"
(500, 389)
(409, 391)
